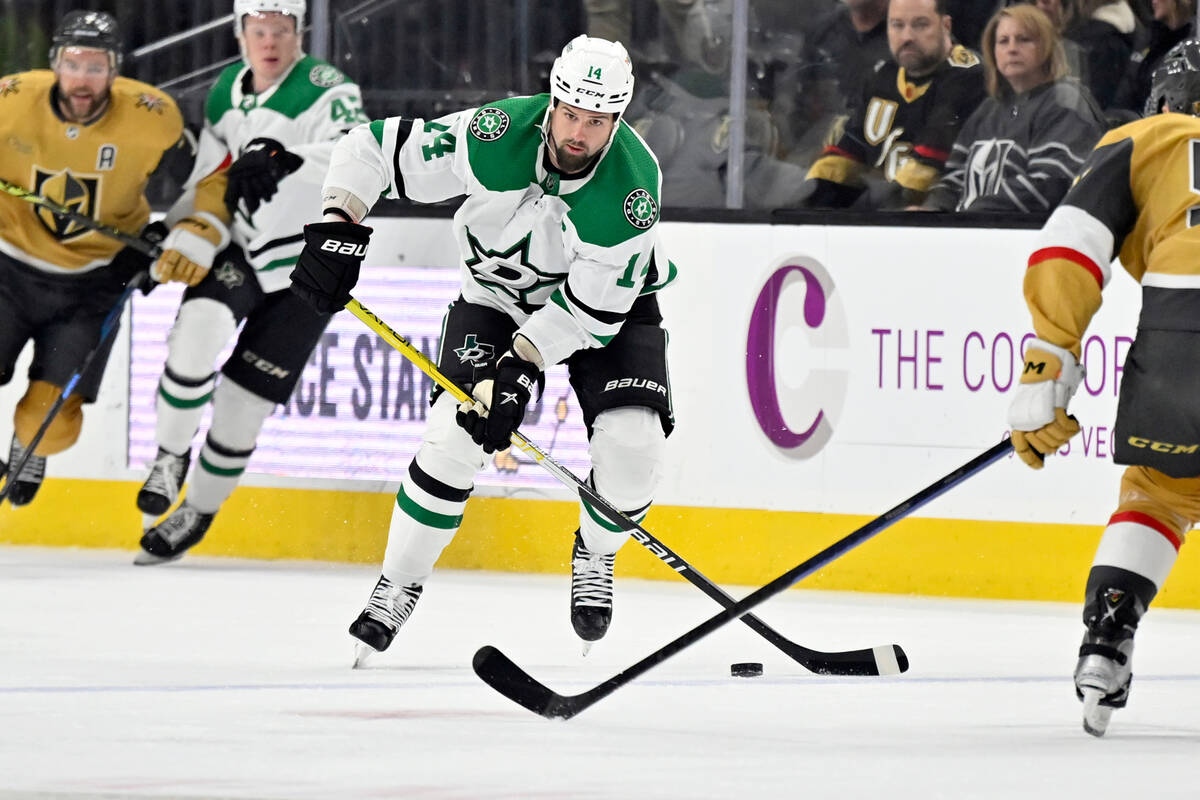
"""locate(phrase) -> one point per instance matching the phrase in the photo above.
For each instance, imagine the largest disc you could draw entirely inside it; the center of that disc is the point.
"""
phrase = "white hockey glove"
(189, 249)
(1038, 412)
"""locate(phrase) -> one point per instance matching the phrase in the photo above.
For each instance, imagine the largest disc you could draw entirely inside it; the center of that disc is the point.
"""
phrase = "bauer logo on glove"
(344, 248)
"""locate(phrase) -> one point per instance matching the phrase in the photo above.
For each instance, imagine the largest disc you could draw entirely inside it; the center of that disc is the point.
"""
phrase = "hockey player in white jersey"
(270, 126)
(560, 262)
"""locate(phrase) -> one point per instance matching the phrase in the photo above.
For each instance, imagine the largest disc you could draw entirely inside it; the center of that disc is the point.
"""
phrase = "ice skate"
(591, 592)
(390, 605)
(161, 489)
(26, 484)
(1102, 679)
(174, 536)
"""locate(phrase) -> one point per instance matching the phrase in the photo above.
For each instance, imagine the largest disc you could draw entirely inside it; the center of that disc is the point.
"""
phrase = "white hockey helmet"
(293, 8)
(593, 74)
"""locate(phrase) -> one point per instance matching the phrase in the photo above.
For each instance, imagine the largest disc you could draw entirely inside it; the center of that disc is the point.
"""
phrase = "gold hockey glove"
(189, 249)
(1038, 412)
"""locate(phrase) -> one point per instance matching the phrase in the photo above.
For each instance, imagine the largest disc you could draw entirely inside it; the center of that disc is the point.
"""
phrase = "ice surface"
(232, 679)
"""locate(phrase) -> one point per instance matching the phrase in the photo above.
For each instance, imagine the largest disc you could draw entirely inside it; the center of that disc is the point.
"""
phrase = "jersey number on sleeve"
(347, 111)
(442, 143)
(626, 279)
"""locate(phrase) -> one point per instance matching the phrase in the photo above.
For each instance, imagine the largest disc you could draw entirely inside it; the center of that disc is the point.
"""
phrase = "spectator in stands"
(1174, 21)
(1098, 38)
(842, 49)
(907, 119)
(696, 35)
(1021, 149)
(968, 18)
(838, 56)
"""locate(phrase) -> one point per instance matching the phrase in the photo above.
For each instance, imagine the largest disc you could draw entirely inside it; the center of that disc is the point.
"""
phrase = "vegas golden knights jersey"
(1137, 197)
(99, 170)
(905, 128)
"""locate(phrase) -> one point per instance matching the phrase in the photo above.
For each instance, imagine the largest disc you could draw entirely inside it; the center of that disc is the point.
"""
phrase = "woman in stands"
(1020, 150)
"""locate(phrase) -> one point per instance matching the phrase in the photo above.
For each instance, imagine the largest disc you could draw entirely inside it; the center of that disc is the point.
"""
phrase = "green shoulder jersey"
(564, 255)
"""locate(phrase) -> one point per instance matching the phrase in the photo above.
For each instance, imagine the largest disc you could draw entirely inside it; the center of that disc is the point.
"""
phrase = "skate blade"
(362, 654)
(145, 559)
(1095, 716)
(586, 647)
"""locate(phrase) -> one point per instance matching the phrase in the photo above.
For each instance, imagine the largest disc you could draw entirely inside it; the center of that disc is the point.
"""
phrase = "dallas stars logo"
(640, 209)
(229, 275)
(509, 273)
(474, 351)
(489, 124)
(9, 86)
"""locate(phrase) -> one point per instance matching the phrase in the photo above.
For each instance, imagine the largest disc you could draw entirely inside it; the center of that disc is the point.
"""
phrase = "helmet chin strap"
(549, 142)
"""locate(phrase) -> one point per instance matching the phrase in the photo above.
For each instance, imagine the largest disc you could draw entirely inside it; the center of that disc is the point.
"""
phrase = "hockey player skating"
(270, 126)
(82, 136)
(1135, 198)
(560, 262)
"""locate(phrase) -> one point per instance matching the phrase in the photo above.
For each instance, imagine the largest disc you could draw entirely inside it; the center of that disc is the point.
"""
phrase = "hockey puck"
(746, 669)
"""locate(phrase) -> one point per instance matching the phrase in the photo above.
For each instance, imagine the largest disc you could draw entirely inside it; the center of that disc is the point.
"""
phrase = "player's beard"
(83, 106)
(568, 162)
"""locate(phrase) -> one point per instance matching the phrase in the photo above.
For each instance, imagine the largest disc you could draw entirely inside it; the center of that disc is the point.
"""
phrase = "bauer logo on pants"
(797, 329)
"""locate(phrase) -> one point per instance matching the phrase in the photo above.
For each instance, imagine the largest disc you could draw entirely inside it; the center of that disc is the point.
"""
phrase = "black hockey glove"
(328, 265)
(129, 261)
(254, 177)
(500, 401)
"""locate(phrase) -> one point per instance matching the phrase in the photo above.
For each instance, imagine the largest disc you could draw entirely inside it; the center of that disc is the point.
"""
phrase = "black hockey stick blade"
(887, 659)
(506, 677)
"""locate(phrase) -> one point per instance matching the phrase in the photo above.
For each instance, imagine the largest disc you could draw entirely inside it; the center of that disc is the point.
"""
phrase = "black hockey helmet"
(93, 29)
(1176, 81)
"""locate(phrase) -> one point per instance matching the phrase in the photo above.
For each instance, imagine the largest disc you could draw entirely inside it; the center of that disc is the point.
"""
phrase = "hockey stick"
(882, 660)
(502, 673)
(107, 328)
(137, 243)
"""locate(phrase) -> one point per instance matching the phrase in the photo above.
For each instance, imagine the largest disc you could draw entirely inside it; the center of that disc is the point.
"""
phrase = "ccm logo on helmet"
(344, 248)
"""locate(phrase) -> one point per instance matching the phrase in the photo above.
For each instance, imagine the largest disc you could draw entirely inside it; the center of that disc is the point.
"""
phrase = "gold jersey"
(99, 170)
(1137, 196)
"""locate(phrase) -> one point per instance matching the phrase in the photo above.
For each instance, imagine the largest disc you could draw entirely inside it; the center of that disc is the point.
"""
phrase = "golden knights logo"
(79, 193)
(10, 86)
(151, 102)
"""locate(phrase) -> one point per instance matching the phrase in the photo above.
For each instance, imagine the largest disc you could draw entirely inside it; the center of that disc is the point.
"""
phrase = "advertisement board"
(840, 369)
(359, 408)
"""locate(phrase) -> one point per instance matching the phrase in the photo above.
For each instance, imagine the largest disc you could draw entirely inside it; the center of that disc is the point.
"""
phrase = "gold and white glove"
(189, 249)
(1038, 412)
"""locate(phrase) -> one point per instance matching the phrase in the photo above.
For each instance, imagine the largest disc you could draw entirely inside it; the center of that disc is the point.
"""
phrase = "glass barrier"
(737, 98)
